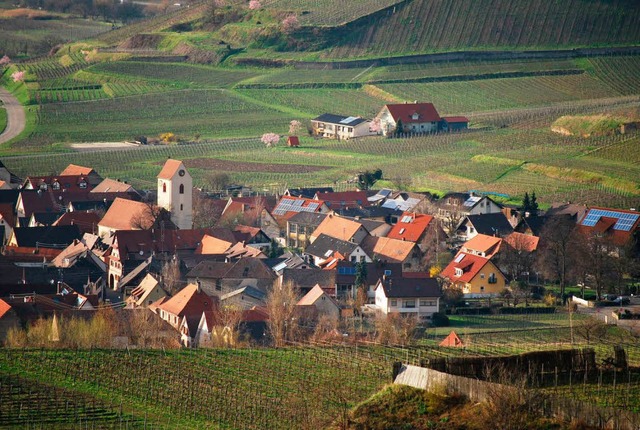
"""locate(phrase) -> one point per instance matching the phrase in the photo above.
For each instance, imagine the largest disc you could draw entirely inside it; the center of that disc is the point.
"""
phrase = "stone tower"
(175, 193)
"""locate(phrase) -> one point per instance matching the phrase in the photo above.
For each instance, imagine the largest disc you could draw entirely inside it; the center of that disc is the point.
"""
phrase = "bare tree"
(152, 216)
(171, 275)
(218, 181)
(557, 240)
(205, 212)
(395, 329)
(281, 307)
(230, 318)
(591, 329)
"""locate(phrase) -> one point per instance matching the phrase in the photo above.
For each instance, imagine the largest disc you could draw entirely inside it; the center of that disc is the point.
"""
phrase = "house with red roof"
(408, 118)
(184, 310)
(336, 200)
(616, 224)
(413, 227)
(475, 275)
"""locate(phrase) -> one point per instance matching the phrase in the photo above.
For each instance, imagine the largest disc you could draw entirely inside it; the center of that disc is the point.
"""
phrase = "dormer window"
(415, 116)
(82, 184)
(55, 185)
(458, 271)
(43, 186)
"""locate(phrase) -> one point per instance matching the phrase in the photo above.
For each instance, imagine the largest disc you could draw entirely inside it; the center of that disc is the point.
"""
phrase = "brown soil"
(239, 166)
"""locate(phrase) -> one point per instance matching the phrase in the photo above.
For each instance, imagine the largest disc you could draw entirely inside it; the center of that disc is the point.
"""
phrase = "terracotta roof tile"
(384, 248)
(169, 169)
(75, 170)
(482, 243)
(405, 111)
(337, 227)
(410, 226)
(213, 245)
(112, 186)
(4, 308)
(469, 263)
(124, 214)
(521, 241)
(190, 301)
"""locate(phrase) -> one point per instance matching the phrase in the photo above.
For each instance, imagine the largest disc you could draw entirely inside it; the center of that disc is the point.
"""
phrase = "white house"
(408, 296)
(408, 118)
(340, 127)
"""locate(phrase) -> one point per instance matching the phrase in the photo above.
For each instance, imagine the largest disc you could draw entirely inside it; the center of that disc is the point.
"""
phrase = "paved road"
(16, 118)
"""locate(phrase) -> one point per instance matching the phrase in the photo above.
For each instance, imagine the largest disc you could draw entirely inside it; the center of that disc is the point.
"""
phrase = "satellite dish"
(141, 252)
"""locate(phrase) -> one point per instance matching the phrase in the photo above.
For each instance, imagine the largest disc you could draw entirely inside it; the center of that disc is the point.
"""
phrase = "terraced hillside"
(450, 25)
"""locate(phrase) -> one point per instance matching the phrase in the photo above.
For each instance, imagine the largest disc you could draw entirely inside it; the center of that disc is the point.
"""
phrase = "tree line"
(108, 10)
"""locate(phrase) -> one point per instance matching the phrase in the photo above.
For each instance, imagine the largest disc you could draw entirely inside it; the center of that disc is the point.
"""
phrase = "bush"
(440, 319)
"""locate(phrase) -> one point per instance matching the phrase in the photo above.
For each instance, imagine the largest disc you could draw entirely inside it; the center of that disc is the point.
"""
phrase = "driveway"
(16, 118)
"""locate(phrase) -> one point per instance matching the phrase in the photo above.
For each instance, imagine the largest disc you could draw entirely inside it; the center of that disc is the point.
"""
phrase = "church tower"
(175, 193)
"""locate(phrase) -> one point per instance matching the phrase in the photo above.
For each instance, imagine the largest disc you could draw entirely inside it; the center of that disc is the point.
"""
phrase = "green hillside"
(330, 30)
(451, 25)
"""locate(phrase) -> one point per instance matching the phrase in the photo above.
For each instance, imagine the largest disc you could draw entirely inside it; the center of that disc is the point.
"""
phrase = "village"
(183, 268)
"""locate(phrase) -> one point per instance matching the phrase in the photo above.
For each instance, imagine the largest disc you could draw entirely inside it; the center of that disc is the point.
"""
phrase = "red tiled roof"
(451, 119)
(405, 111)
(482, 243)
(523, 242)
(470, 265)
(387, 249)
(4, 308)
(410, 229)
(169, 169)
(124, 214)
(189, 302)
(75, 170)
(24, 253)
(605, 225)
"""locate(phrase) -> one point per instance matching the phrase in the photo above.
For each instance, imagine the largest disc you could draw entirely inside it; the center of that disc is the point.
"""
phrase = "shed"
(293, 141)
(452, 341)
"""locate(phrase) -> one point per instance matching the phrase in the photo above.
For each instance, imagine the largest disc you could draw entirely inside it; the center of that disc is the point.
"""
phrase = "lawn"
(3, 118)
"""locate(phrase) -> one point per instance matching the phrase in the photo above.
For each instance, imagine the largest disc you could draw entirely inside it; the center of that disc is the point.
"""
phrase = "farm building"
(417, 118)
(293, 141)
(454, 123)
(340, 127)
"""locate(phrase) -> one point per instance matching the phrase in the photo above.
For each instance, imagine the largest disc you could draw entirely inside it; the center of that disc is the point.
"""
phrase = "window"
(493, 279)
(409, 304)
(218, 284)
(482, 276)
(394, 303)
(55, 185)
(164, 187)
(458, 271)
(353, 259)
(423, 303)
(181, 189)
(82, 184)
(482, 288)
(181, 206)
(293, 228)
(363, 259)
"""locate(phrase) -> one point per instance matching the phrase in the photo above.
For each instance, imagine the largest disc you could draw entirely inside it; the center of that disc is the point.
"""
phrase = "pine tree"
(533, 205)
(526, 202)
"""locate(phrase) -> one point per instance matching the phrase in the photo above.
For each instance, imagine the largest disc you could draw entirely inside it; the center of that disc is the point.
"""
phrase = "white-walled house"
(340, 127)
(408, 296)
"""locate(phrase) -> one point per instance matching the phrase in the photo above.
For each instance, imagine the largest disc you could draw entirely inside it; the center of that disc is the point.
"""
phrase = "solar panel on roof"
(348, 119)
(624, 220)
(313, 206)
(471, 201)
(406, 219)
(459, 258)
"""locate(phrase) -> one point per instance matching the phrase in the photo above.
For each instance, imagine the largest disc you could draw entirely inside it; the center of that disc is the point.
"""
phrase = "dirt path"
(16, 119)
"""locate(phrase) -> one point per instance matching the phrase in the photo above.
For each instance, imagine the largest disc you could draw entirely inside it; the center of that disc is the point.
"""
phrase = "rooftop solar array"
(346, 270)
(348, 119)
(288, 205)
(459, 258)
(472, 201)
(624, 223)
(407, 219)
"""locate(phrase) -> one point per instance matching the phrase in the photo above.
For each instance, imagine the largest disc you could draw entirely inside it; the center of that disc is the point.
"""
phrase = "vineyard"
(427, 26)
(305, 385)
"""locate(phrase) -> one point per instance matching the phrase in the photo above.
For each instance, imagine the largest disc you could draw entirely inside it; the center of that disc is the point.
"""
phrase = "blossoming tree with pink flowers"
(270, 139)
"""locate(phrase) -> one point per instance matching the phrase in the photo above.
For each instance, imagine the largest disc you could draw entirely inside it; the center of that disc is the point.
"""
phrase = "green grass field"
(3, 119)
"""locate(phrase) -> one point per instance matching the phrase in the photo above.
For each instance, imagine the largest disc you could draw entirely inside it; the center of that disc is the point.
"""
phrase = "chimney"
(198, 285)
(527, 214)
